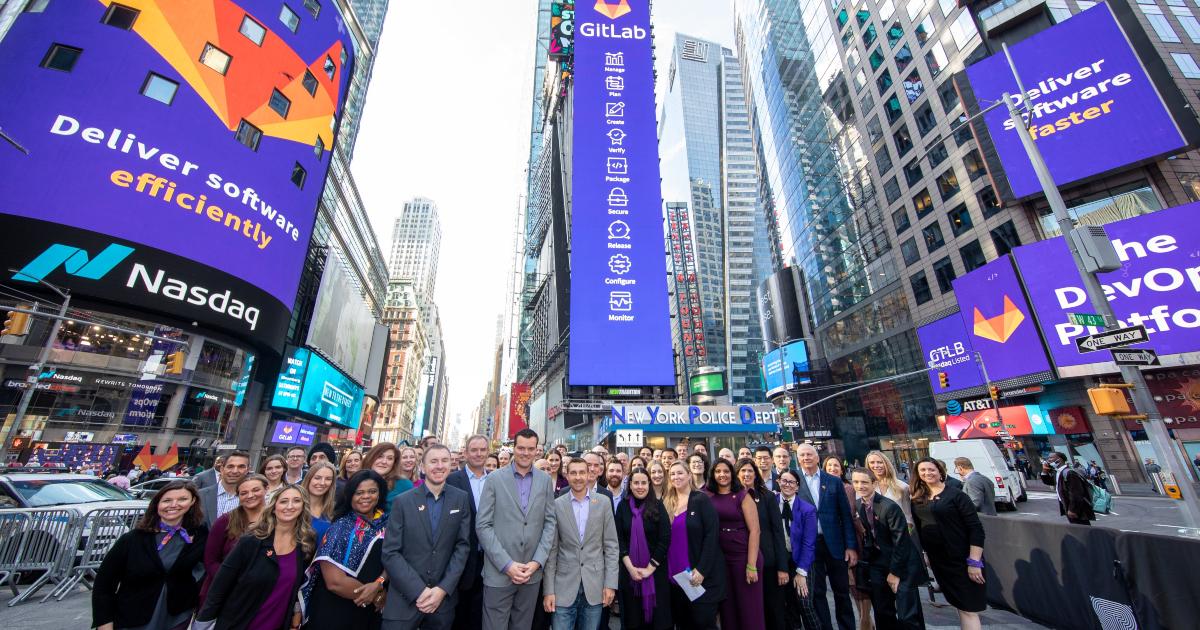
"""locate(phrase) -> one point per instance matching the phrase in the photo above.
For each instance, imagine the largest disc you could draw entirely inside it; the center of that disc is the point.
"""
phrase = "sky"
(448, 118)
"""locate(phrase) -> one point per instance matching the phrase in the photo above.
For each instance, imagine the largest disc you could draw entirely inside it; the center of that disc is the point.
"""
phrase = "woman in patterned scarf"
(346, 584)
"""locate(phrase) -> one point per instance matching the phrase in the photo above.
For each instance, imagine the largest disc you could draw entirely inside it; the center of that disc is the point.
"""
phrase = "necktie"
(787, 514)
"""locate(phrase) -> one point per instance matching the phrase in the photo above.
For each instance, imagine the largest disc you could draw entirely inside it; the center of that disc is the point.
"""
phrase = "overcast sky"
(448, 117)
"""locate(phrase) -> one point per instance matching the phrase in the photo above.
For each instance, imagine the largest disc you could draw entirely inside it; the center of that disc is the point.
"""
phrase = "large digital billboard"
(620, 322)
(993, 308)
(323, 392)
(1094, 107)
(198, 132)
(986, 423)
(779, 367)
(342, 324)
(1158, 286)
(947, 347)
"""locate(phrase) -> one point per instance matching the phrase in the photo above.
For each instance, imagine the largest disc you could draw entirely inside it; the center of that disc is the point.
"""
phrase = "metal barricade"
(12, 524)
(47, 541)
(100, 530)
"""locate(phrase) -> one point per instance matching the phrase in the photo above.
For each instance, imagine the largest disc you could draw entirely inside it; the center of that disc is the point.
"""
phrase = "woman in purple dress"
(739, 539)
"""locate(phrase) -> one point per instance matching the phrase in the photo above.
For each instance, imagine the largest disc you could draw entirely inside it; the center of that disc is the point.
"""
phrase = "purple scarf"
(639, 555)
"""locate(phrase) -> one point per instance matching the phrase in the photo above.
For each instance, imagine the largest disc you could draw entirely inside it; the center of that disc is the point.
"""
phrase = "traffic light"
(16, 323)
(994, 392)
(791, 408)
(944, 380)
(175, 362)
(1108, 401)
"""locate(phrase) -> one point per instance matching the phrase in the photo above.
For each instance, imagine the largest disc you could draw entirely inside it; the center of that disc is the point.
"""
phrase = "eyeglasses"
(787, 482)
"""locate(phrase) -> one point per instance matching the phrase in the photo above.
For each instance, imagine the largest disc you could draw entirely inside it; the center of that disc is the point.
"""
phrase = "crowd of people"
(529, 538)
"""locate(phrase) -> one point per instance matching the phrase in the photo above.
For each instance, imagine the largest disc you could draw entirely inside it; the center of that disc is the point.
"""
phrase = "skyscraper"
(416, 246)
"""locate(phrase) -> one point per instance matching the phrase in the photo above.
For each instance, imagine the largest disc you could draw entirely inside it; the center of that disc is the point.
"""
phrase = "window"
(289, 18)
(299, 175)
(329, 68)
(989, 203)
(36, 6)
(215, 58)
(972, 256)
(159, 88)
(1188, 22)
(869, 35)
(922, 203)
(253, 31)
(868, 102)
(963, 29)
(962, 130)
(903, 140)
(914, 8)
(960, 219)
(891, 107)
(61, 57)
(1162, 26)
(248, 135)
(1187, 65)
(1005, 238)
(891, 189)
(279, 103)
(947, 7)
(883, 159)
(975, 166)
(937, 154)
(910, 251)
(842, 18)
(947, 184)
(924, 30)
(900, 220)
(903, 58)
(860, 80)
(874, 129)
(948, 96)
(895, 33)
(313, 6)
(925, 119)
(884, 82)
(862, 16)
(933, 237)
(935, 59)
(120, 16)
(920, 287)
(851, 58)
(876, 59)
(319, 148)
(886, 10)
(310, 83)
(912, 172)
(943, 271)
(1060, 10)
(913, 86)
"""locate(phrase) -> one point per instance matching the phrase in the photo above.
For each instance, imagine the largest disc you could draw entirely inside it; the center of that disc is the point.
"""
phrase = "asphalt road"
(1149, 515)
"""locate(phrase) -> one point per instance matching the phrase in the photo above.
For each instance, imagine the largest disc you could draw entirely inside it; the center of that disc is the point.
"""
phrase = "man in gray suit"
(515, 524)
(209, 477)
(425, 548)
(581, 572)
(978, 487)
(222, 497)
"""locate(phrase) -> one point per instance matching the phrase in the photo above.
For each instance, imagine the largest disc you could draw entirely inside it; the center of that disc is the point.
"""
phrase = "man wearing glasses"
(295, 465)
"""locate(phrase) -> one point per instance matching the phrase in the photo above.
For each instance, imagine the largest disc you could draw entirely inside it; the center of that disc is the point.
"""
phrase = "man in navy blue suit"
(837, 547)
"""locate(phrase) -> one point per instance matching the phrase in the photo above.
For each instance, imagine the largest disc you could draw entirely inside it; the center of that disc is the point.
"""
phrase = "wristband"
(978, 564)
(752, 568)
(381, 579)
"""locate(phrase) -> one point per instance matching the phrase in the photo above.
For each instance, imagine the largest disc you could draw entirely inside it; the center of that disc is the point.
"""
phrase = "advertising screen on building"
(342, 324)
(712, 383)
(947, 347)
(284, 432)
(1158, 286)
(620, 323)
(1094, 108)
(309, 385)
(993, 308)
(780, 365)
(985, 423)
(182, 146)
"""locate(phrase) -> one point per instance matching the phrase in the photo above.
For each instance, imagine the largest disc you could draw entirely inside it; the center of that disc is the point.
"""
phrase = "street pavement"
(1150, 515)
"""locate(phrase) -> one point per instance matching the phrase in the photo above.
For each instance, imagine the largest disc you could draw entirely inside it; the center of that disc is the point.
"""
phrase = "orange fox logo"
(1000, 327)
(613, 10)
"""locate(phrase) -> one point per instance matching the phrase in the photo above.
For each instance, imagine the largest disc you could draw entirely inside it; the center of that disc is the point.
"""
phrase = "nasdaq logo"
(75, 261)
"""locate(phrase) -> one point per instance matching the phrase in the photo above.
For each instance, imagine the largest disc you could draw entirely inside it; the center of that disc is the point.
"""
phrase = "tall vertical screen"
(620, 324)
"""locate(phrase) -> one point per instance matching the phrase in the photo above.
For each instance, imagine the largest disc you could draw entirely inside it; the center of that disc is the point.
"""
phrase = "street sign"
(1139, 356)
(791, 423)
(1088, 319)
(1118, 338)
(629, 438)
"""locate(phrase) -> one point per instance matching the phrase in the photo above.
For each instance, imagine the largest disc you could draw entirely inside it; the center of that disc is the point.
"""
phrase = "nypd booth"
(664, 426)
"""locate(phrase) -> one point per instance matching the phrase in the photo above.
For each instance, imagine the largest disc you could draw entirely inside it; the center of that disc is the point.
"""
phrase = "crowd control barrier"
(37, 540)
(99, 530)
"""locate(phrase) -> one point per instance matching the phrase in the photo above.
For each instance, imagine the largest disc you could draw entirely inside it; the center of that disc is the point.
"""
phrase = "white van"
(986, 457)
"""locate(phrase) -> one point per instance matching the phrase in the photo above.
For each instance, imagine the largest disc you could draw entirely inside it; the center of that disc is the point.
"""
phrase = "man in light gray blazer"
(210, 476)
(425, 549)
(581, 572)
(978, 487)
(515, 526)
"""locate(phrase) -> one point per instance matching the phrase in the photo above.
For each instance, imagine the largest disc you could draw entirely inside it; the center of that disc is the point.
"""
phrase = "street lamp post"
(34, 370)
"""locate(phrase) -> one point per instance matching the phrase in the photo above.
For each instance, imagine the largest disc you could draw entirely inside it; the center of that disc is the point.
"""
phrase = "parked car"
(989, 462)
(148, 489)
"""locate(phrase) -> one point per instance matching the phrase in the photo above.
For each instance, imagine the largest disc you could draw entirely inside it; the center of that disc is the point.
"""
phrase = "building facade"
(416, 246)
(403, 373)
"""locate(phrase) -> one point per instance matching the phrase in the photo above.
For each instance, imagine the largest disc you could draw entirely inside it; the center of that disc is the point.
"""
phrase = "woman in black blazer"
(150, 579)
(776, 577)
(644, 553)
(257, 584)
(693, 545)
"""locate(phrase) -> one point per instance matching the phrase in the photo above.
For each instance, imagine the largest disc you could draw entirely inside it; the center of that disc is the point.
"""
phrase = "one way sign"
(1118, 338)
(1140, 356)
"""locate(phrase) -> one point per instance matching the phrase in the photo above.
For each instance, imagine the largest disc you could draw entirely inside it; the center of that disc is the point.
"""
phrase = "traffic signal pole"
(32, 380)
(1174, 467)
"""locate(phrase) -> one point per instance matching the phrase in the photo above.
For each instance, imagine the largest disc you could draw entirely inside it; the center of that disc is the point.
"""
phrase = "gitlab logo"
(999, 328)
(613, 10)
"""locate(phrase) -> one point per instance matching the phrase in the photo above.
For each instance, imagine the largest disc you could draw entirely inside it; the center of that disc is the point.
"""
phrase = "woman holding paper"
(694, 555)
(644, 530)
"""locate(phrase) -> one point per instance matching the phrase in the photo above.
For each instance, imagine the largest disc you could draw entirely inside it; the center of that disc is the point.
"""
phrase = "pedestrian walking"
(739, 538)
(344, 586)
(515, 525)
(837, 544)
(470, 479)
(952, 536)
(644, 534)
(581, 569)
(149, 578)
(1074, 493)
(258, 583)
(978, 488)
(426, 547)
(890, 564)
(694, 551)
(775, 578)
(252, 495)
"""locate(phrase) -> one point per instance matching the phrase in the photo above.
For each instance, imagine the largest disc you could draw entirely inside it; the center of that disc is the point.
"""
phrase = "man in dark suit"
(837, 547)
(891, 565)
(470, 479)
(426, 548)
(210, 476)
(1073, 490)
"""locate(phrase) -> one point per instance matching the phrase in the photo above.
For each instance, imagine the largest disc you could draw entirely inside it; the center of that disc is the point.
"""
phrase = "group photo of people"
(534, 538)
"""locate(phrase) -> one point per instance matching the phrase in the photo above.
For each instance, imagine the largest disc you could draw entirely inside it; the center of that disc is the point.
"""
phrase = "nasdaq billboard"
(620, 322)
(201, 129)
(948, 349)
(1093, 105)
(993, 308)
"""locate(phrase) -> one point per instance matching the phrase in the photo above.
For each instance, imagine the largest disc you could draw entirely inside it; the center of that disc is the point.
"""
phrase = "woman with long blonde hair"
(319, 484)
(351, 463)
(693, 549)
(889, 483)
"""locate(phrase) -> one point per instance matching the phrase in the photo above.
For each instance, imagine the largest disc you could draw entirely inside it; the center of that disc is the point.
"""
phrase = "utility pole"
(1002, 433)
(35, 370)
(1173, 465)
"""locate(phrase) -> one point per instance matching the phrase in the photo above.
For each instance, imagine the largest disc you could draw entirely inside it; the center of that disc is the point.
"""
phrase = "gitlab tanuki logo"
(999, 328)
(613, 10)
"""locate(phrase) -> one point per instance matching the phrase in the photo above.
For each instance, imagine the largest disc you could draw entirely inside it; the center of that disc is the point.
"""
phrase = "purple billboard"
(1157, 287)
(285, 432)
(947, 347)
(198, 130)
(992, 307)
(1094, 107)
(620, 323)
